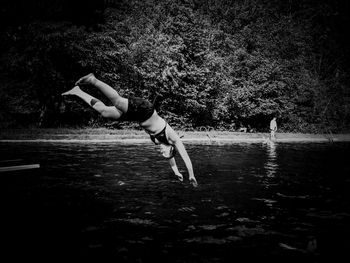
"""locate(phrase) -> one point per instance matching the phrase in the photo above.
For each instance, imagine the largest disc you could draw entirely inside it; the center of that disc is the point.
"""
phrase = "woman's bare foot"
(86, 80)
(74, 91)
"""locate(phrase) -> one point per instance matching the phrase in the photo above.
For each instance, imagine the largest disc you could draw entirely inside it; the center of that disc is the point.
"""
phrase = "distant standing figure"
(273, 128)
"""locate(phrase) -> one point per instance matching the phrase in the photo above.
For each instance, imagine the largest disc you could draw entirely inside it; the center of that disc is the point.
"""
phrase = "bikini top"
(161, 137)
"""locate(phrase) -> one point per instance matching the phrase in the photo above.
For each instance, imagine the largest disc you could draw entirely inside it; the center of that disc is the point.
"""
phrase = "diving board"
(19, 167)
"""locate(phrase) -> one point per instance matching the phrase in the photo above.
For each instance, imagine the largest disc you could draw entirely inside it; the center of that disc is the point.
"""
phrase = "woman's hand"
(179, 177)
(193, 181)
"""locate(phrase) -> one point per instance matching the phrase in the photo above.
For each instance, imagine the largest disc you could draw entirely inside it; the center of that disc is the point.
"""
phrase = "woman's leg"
(118, 101)
(106, 111)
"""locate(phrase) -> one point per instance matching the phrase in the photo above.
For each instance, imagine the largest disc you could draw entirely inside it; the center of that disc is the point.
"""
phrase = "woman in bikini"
(142, 111)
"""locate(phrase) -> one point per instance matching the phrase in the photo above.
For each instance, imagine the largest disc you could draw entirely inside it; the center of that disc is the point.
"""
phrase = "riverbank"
(106, 135)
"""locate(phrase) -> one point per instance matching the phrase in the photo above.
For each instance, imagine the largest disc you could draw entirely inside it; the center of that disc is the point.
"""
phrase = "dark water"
(121, 203)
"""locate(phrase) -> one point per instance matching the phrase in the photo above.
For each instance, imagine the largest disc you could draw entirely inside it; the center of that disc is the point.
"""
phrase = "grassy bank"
(103, 134)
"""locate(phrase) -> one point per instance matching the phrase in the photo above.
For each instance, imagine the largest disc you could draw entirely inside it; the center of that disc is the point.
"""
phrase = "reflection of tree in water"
(271, 164)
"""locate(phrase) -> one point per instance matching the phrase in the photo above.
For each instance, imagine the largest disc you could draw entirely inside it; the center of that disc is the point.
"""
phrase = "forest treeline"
(206, 63)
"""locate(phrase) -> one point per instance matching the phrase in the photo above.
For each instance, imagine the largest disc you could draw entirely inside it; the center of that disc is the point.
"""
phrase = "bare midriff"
(154, 124)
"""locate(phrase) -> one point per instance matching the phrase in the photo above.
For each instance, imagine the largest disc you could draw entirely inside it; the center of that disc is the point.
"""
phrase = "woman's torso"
(154, 124)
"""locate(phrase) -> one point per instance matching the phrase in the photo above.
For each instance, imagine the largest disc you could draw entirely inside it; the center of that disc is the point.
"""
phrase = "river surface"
(283, 202)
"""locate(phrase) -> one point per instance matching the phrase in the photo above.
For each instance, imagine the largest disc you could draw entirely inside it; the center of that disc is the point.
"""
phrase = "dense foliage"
(206, 63)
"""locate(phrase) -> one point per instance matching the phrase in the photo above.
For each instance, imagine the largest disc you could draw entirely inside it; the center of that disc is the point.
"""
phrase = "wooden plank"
(19, 167)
